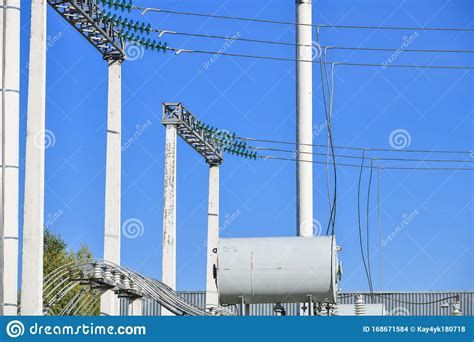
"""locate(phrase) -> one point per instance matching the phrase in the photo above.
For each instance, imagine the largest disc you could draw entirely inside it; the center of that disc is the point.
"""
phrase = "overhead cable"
(220, 53)
(368, 149)
(269, 157)
(329, 47)
(145, 10)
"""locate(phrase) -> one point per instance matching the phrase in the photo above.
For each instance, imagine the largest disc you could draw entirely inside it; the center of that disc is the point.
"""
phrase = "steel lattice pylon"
(190, 129)
(83, 15)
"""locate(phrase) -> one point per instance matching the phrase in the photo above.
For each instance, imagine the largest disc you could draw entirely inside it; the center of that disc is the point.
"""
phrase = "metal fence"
(396, 303)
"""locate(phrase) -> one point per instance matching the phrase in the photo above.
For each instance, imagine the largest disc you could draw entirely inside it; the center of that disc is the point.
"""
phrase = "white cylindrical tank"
(277, 270)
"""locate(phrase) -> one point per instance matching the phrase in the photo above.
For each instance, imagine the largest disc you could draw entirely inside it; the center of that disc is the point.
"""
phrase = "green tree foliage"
(57, 254)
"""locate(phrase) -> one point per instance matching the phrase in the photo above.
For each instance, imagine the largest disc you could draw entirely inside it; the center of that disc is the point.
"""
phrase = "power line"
(415, 303)
(359, 222)
(329, 47)
(220, 53)
(368, 149)
(368, 222)
(394, 49)
(407, 66)
(401, 28)
(328, 113)
(381, 295)
(269, 157)
(358, 157)
(379, 225)
(278, 22)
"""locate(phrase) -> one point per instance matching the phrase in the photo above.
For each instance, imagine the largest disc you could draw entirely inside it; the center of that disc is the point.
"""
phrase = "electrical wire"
(328, 121)
(359, 222)
(415, 303)
(395, 49)
(272, 42)
(269, 157)
(358, 157)
(347, 295)
(379, 224)
(402, 28)
(368, 149)
(219, 53)
(407, 66)
(330, 138)
(367, 222)
(278, 22)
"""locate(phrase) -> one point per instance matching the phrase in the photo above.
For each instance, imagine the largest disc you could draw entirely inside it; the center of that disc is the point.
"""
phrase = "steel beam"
(33, 214)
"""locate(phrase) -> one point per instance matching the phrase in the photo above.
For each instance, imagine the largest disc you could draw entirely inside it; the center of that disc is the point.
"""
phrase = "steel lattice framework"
(84, 16)
(193, 132)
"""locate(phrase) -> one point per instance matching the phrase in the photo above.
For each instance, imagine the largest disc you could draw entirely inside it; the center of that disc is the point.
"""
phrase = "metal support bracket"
(83, 15)
(189, 128)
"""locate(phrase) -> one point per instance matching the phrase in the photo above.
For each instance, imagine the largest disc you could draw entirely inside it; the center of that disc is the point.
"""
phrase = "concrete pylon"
(212, 297)
(33, 214)
(304, 118)
(9, 153)
(169, 213)
(109, 302)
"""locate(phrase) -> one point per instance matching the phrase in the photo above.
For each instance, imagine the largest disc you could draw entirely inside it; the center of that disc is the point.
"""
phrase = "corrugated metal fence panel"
(150, 307)
(199, 299)
(123, 306)
(396, 303)
(410, 303)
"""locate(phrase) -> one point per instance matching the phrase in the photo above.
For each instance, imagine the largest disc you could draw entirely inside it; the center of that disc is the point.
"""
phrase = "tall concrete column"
(109, 303)
(33, 214)
(212, 298)
(9, 152)
(169, 213)
(304, 118)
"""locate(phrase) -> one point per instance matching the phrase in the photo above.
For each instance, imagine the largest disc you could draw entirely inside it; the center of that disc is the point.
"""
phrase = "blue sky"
(256, 98)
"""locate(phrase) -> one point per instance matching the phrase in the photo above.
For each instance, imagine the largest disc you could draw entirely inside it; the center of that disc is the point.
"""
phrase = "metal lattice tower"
(83, 15)
(189, 128)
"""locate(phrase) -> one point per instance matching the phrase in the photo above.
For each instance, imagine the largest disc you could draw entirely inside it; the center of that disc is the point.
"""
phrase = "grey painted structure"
(396, 303)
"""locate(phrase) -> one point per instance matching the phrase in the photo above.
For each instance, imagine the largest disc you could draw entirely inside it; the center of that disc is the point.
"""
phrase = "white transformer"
(277, 270)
